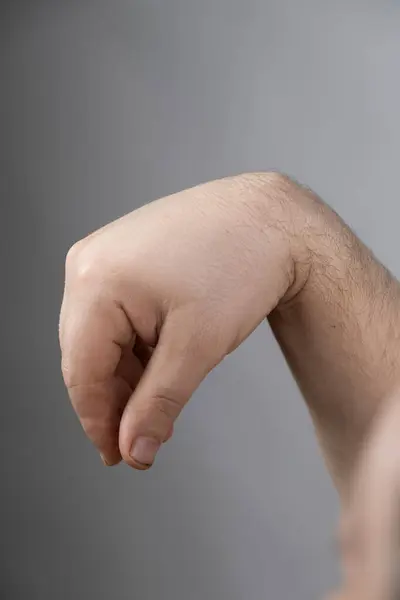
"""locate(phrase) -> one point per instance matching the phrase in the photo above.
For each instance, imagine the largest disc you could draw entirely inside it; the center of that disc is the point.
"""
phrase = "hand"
(158, 298)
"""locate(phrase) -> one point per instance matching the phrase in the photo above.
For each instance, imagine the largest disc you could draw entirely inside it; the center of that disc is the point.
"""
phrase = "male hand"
(158, 298)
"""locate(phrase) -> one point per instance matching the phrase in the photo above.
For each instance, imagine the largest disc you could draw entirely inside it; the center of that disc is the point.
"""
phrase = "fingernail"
(104, 461)
(144, 450)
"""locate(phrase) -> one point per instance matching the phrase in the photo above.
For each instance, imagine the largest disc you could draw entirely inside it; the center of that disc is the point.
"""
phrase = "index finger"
(94, 330)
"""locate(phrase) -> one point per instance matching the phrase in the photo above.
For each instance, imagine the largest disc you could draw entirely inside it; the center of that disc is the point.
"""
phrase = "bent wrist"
(285, 206)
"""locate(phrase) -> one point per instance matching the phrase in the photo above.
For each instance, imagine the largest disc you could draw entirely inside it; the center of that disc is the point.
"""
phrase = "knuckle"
(73, 255)
(168, 404)
(82, 265)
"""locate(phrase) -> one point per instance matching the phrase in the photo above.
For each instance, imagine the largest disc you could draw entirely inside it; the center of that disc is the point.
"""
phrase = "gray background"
(106, 105)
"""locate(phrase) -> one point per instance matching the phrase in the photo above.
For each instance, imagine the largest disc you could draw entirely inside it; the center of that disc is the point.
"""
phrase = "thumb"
(179, 363)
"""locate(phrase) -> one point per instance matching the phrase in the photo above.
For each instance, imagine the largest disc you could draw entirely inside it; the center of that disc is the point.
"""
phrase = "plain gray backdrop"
(106, 105)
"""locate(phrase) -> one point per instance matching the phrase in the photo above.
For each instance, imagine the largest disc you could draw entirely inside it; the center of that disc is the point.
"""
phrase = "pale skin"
(154, 301)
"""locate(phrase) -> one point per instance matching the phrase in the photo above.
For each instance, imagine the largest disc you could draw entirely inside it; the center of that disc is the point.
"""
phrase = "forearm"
(339, 330)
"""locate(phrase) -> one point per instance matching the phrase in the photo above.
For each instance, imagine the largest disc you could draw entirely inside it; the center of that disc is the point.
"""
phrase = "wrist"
(291, 209)
(333, 322)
